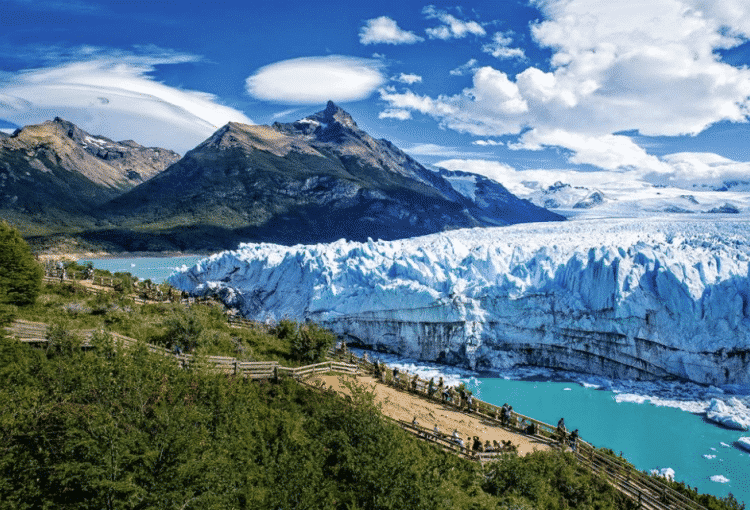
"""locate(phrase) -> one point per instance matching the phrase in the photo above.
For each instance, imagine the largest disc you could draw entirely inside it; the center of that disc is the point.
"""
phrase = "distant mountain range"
(53, 174)
(315, 180)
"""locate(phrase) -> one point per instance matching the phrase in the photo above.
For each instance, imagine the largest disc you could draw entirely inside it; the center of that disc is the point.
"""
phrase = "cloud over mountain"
(310, 80)
(110, 94)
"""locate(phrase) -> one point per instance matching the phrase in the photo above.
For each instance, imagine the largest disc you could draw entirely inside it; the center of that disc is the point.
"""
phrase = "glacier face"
(632, 298)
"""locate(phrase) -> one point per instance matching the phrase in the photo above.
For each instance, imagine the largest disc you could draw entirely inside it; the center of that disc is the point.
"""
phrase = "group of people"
(476, 445)
(465, 400)
(562, 435)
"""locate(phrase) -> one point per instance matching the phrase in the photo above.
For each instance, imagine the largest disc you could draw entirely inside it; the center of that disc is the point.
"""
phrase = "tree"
(20, 275)
(311, 343)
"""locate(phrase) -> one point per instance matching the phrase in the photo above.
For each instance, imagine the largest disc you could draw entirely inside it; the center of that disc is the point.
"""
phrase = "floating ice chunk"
(667, 473)
(567, 389)
(706, 456)
(732, 413)
(719, 479)
(630, 397)
(725, 445)
(743, 442)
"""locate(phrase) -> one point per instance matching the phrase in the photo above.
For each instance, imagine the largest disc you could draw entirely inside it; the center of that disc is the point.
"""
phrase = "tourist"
(395, 377)
(504, 415)
(414, 381)
(469, 402)
(414, 422)
(561, 431)
(431, 388)
(574, 439)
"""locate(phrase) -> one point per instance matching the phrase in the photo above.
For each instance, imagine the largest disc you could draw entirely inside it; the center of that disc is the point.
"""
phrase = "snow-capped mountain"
(642, 298)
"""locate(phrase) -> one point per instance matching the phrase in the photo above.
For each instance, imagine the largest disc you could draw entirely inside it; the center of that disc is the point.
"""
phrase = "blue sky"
(513, 89)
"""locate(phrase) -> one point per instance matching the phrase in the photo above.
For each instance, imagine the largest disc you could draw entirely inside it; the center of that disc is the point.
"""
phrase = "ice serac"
(642, 299)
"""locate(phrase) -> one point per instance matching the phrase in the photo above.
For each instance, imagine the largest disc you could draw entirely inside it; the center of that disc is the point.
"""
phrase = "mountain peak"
(334, 113)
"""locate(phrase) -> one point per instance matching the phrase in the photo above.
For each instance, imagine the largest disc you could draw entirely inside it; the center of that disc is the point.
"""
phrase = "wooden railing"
(36, 333)
(650, 492)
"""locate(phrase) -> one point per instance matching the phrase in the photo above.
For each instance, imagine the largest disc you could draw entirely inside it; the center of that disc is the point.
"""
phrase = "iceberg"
(667, 473)
(744, 442)
(732, 413)
(642, 298)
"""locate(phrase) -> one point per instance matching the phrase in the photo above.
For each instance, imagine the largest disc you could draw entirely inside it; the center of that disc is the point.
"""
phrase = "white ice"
(649, 298)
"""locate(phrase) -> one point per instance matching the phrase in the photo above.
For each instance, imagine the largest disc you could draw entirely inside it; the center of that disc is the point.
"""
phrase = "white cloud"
(409, 79)
(395, 113)
(611, 152)
(487, 143)
(500, 47)
(311, 80)
(284, 113)
(686, 170)
(431, 149)
(384, 30)
(652, 66)
(468, 67)
(116, 97)
(523, 182)
(452, 27)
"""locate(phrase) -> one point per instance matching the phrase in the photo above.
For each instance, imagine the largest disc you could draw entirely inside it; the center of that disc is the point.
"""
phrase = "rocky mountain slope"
(631, 298)
(56, 172)
(491, 197)
(315, 180)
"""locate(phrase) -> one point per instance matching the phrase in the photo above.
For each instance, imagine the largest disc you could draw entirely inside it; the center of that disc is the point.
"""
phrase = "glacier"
(632, 298)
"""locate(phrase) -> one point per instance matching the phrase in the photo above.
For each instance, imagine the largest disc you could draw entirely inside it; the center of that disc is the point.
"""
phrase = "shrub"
(311, 343)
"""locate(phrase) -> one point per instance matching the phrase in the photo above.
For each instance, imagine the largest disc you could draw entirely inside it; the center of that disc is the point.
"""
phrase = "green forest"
(115, 427)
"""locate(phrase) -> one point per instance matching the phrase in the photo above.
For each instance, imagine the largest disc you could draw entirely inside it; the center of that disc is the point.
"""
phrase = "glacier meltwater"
(633, 298)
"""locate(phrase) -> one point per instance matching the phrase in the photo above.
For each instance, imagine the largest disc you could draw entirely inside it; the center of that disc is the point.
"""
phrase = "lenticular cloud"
(115, 97)
(316, 80)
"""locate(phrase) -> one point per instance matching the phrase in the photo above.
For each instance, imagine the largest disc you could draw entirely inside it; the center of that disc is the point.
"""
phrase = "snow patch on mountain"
(641, 298)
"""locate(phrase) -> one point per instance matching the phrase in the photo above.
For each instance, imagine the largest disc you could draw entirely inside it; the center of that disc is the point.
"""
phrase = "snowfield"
(641, 298)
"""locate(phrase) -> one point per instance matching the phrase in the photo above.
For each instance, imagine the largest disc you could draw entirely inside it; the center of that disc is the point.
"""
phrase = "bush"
(311, 343)
(20, 275)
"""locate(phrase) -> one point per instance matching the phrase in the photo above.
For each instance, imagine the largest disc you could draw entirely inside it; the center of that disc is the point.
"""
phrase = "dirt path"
(405, 406)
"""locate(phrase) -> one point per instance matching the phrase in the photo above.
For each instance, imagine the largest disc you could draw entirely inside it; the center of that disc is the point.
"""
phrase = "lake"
(615, 414)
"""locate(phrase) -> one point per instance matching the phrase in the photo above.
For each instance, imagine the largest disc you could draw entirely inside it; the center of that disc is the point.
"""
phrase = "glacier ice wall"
(641, 298)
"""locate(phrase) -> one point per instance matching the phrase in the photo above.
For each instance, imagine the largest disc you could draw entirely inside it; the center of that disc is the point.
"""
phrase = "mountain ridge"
(318, 179)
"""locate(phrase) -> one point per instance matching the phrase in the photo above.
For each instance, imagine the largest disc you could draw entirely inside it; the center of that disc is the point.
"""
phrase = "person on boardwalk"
(469, 402)
(561, 431)
(573, 440)
(395, 377)
(446, 395)
(431, 388)
(414, 381)
(504, 415)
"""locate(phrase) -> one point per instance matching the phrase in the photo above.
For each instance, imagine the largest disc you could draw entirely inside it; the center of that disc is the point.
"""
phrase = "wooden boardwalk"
(35, 333)
(651, 493)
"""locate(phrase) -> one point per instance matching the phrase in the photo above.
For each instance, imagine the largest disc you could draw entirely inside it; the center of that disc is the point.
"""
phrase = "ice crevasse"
(636, 298)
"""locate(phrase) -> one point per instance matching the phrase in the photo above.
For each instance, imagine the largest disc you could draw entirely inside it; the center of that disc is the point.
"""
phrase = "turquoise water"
(156, 269)
(649, 436)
